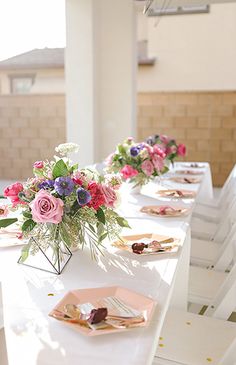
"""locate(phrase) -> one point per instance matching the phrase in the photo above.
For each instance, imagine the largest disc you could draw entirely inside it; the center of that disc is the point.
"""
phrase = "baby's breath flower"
(66, 148)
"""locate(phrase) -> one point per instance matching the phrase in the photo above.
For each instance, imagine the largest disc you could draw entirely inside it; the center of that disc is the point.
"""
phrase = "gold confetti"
(189, 323)
(209, 359)
(160, 338)
(50, 294)
(161, 345)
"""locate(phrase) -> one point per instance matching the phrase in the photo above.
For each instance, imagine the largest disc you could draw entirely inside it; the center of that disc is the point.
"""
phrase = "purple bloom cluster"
(83, 196)
(134, 151)
(64, 185)
(47, 184)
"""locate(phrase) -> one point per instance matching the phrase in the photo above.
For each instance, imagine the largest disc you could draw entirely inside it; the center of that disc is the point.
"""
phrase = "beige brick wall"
(204, 121)
(30, 127)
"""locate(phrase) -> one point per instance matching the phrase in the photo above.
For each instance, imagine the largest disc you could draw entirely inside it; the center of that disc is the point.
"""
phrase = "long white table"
(29, 294)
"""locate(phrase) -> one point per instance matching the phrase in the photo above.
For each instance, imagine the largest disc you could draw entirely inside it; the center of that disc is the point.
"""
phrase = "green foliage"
(74, 168)
(121, 149)
(28, 225)
(27, 214)
(122, 222)
(165, 170)
(22, 197)
(102, 237)
(59, 169)
(25, 252)
(7, 222)
(101, 216)
(64, 235)
(38, 172)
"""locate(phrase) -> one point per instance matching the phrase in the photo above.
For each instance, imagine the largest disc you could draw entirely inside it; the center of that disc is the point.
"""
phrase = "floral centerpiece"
(137, 163)
(64, 203)
(169, 145)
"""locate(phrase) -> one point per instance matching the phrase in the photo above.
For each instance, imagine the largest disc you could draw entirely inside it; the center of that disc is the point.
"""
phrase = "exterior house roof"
(36, 58)
(53, 58)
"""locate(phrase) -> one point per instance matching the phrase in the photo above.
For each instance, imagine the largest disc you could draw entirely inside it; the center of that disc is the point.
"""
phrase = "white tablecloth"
(34, 338)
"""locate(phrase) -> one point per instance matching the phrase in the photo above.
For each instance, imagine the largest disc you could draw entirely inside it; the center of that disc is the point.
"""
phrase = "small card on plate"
(194, 165)
(189, 172)
(186, 180)
(119, 301)
(147, 244)
(176, 194)
(164, 211)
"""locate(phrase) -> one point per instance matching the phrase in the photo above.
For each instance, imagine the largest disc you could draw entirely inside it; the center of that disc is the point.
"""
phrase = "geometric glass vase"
(45, 251)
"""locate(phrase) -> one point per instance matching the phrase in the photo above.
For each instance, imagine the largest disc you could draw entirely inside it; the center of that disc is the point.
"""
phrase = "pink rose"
(158, 151)
(164, 139)
(148, 148)
(171, 150)
(12, 192)
(147, 167)
(3, 210)
(128, 172)
(158, 162)
(78, 178)
(181, 150)
(46, 208)
(109, 195)
(109, 159)
(39, 164)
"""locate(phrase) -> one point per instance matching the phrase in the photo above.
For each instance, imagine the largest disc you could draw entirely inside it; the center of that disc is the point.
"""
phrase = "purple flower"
(134, 151)
(47, 184)
(83, 196)
(140, 146)
(64, 185)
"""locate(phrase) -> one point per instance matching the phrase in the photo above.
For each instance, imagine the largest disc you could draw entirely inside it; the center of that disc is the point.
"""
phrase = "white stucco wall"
(47, 81)
(194, 52)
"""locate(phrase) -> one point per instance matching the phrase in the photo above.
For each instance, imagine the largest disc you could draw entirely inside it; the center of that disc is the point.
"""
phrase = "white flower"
(114, 180)
(66, 148)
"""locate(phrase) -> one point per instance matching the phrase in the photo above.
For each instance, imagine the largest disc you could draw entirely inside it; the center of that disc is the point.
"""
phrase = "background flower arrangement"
(137, 162)
(168, 145)
(75, 206)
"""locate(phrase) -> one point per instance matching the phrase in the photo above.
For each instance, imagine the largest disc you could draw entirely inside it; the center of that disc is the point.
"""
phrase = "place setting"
(147, 244)
(185, 180)
(106, 310)
(164, 211)
(188, 172)
(193, 165)
(175, 194)
(11, 237)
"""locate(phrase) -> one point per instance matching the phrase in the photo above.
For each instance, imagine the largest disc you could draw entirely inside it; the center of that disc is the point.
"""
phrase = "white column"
(80, 77)
(100, 73)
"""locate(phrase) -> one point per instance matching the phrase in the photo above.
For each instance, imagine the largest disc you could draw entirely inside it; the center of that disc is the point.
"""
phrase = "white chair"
(191, 339)
(207, 284)
(213, 214)
(211, 211)
(211, 254)
(215, 231)
(227, 188)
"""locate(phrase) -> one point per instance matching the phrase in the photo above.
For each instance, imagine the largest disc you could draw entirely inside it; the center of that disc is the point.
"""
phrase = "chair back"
(224, 302)
(227, 252)
(228, 185)
(227, 220)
